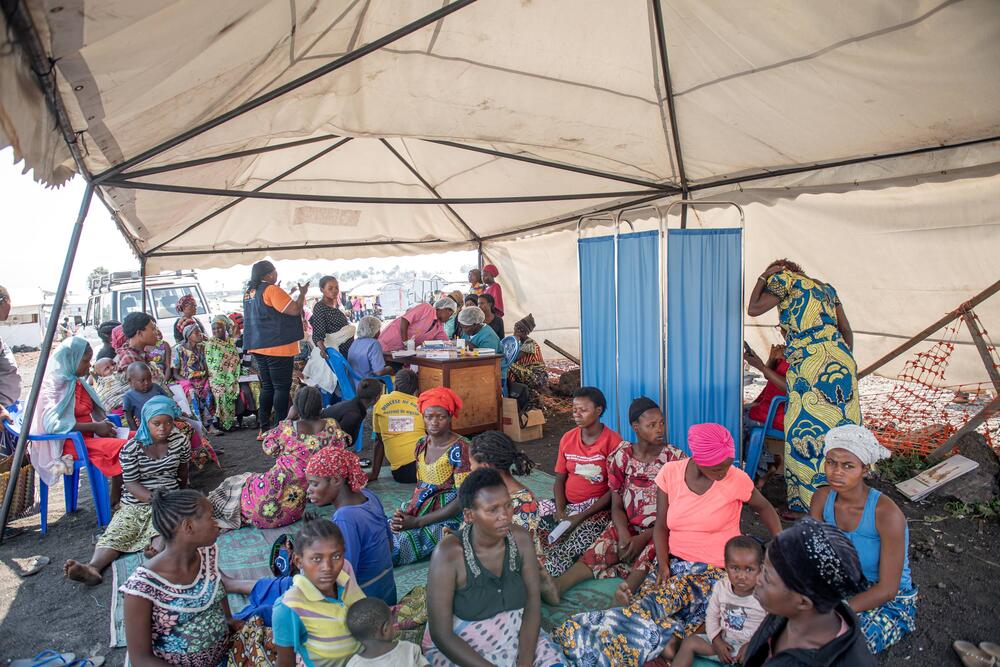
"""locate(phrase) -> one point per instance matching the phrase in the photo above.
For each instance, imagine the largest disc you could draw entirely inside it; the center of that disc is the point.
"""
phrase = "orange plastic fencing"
(921, 411)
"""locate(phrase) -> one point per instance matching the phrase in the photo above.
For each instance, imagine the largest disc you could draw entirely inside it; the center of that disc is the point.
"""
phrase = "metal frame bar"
(303, 246)
(142, 281)
(139, 173)
(298, 82)
(554, 165)
(430, 188)
(293, 196)
(977, 420)
(981, 346)
(739, 367)
(43, 358)
(240, 198)
(661, 44)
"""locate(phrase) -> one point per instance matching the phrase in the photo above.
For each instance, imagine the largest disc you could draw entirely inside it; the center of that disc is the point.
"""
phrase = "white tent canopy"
(863, 137)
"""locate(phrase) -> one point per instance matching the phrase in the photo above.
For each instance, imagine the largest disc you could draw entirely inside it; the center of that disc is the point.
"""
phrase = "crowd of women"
(832, 589)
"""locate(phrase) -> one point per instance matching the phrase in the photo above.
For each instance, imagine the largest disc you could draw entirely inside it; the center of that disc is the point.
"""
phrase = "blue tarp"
(597, 318)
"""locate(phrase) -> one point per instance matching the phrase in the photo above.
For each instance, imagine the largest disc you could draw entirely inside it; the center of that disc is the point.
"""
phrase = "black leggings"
(275, 375)
(406, 474)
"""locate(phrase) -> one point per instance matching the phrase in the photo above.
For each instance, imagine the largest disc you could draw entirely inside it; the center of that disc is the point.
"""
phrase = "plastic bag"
(317, 373)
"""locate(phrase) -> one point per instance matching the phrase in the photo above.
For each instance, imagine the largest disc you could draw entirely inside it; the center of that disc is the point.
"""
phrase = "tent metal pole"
(142, 280)
(553, 165)
(430, 188)
(174, 166)
(661, 43)
(292, 196)
(43, 357)
(226, 207)
(298, 82)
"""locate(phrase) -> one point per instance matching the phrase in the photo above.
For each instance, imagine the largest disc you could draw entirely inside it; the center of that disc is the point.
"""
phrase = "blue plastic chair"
(99, 488)
(511, 349)
(359, 441)
(755, 445)
(347, 378)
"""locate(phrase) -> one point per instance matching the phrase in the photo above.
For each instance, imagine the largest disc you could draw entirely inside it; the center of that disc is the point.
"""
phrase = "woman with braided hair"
(176, 610)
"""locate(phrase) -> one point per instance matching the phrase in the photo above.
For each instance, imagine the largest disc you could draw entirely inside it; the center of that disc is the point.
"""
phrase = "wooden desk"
(476, 380)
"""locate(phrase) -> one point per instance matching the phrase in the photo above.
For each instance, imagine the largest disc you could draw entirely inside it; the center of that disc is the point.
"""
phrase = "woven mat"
(244, 553)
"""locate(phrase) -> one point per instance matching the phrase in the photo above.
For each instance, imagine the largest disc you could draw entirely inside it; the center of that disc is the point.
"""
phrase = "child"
(140, 378)
(187, 622)
(155, 459)
(159, 355)
(191, 372)
(104, 367)
(310, 619)
(733, 612)
(370, 622)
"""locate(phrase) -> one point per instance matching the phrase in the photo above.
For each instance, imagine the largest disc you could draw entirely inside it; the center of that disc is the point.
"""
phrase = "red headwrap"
(710, 444)
(439, 397)
(184, 302)
(118, 339)
(492, 270)
(335, 461)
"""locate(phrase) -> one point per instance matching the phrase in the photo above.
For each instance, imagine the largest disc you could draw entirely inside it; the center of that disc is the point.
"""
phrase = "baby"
(370, 622)
(140, 378)
(733, 612)
(104, 367)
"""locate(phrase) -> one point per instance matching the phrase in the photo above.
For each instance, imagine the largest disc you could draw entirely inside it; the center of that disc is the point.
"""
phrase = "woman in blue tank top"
(874, 523)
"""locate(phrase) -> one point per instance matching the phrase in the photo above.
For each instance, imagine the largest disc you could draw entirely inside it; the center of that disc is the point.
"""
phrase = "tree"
(96, 273)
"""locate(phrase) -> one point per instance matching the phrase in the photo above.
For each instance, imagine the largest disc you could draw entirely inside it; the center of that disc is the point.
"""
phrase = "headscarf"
(710, 444)
(639, 407)
(154, 407)
(446, 303)
(492, 270)
(818, 561)
(335, 461)
(457, 297)
(439, 397)
(135, 322)
(258, 271)
(118, 339)
(237, 319)
(471, 315)
(190, 329)
(227, 324)
(858, 441)
(59, 416)
(527, 323)
(184, 302)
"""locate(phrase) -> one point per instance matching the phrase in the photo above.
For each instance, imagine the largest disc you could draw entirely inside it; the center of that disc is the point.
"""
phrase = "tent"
(862, 138)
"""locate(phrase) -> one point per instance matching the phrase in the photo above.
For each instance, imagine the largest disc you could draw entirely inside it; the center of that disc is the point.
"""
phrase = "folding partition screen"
(704, 325)
(597, 319)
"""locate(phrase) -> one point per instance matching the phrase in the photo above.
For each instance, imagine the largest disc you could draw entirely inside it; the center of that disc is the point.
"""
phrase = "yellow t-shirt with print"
(400, 424)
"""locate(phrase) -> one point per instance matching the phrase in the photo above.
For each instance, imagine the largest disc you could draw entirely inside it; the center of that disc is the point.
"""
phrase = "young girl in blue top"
(877, 527)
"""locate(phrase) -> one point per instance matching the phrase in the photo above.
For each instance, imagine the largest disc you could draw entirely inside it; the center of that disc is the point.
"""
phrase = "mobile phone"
(746, 348)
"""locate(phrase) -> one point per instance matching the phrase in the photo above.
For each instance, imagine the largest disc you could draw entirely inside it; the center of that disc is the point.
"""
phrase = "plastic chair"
(347, 379)
(511, 349)
(755, 444)
(99, 488)
(359, 439)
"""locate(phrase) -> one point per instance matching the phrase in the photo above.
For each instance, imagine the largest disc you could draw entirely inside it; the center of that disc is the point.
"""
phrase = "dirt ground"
(954, 563)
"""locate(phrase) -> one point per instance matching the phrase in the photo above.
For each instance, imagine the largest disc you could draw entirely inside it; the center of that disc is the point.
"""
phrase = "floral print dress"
(277, 498)
(223, 362)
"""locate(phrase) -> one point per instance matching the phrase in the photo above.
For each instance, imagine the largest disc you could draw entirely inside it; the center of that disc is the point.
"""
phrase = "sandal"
(96, 661)
(29, 566)
(990, 648)
(972, 656)
(50, 657)
(260, 436)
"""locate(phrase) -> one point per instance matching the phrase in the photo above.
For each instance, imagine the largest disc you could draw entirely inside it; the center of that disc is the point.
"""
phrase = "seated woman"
(451, 326)
(582, 495)
(483, 605)
(528, 369)
(442, 466)
(156, 459)
(186, 308)
(277, 498)
(138, 332)
(191, 372)
(365, 355)
(877, 527)
(493, 321)
(625, 549)
(160, 355)
(698, 506)
(223, 364)
(67, 403)
(476, 333)
(104, 331)
(809, 570)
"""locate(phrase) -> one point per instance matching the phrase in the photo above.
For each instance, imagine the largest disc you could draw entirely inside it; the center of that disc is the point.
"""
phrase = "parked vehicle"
(115, 295)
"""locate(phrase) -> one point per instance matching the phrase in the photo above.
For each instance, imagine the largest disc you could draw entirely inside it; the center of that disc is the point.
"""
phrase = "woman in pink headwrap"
(698, 506)
(490, 273)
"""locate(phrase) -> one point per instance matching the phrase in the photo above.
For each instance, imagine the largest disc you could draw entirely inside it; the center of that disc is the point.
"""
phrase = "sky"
(39, 220)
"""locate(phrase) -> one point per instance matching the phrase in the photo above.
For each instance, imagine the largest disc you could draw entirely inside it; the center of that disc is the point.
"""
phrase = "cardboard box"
(512, 422)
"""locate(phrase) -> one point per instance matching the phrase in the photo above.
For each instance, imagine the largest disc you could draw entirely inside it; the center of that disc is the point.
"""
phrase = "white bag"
(177, 393)
(317, 373)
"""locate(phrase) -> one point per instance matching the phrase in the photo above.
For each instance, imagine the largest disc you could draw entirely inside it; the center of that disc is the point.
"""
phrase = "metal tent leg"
(43, 357)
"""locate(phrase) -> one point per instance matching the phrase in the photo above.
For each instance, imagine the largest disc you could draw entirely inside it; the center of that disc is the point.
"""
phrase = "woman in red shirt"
(582, 494)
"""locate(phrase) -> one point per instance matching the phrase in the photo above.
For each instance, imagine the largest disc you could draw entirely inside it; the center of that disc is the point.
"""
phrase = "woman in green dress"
(223, 370)
(822, 376)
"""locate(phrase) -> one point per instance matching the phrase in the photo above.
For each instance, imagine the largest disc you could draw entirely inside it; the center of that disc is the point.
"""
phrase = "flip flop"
(972, 656)
(96, 661)
(50, 657)
(991, 648)
(29, 566)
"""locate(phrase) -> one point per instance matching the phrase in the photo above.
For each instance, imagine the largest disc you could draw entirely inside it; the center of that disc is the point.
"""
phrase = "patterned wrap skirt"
(131, 529)
(496, 639)
(886, 624)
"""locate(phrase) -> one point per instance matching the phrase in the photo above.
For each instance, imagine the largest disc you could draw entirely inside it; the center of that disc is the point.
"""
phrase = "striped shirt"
(153, 474)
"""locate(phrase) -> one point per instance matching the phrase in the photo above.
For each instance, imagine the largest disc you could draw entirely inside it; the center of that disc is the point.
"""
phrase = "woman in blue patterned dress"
(822, 376)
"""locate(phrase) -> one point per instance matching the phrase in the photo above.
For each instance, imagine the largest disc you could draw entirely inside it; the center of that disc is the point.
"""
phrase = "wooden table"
(476, 380)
